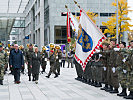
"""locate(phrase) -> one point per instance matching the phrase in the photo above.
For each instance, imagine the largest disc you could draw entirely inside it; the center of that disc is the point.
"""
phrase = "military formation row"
(111, 65)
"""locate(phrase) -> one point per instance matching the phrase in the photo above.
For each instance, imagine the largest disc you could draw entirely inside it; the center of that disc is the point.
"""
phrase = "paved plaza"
(65, 87)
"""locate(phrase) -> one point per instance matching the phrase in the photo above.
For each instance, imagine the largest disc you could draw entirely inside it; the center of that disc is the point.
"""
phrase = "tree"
(122, 20)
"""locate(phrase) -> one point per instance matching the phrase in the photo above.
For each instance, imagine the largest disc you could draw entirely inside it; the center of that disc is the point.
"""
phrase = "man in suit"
(16, 62)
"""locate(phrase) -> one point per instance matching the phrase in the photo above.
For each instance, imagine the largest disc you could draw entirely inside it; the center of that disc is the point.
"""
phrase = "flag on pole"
(68, 28)
(88, 41)
(74, 23)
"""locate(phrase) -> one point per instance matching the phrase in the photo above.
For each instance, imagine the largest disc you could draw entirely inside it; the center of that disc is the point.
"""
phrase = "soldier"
(11, 49)
(104, 58)
(44, 59)
(28, 59)
(7, 54)
(79, 70)
(129, 62)
(52, 65)
(112, 72)
(122, 68)
(93, 70)
(2, 64)
(58, 59)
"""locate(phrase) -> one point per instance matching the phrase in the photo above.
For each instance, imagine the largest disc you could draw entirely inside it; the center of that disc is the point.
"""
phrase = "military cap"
(113, 39)
(124, 43)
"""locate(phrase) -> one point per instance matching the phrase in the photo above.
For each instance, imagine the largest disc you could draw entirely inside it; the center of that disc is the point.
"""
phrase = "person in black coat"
(16, 62)
(35, 65)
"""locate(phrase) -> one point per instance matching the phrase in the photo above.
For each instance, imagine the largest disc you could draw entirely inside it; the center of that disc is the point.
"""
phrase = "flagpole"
(117, 24)
(88, 17)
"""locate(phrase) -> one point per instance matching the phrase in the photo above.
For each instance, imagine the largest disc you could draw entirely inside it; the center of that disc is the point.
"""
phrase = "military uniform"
(58, 61)
(79, 70)
(129, 63)
(122, 70)
(2, 65)
(44, 60)
(28, 59)
(112, 73)
(52, 65)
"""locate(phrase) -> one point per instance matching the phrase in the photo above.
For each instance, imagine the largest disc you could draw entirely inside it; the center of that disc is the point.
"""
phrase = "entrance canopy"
(10, 11)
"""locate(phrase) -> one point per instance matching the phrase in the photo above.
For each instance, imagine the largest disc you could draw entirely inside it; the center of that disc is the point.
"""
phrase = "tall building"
(45, 20)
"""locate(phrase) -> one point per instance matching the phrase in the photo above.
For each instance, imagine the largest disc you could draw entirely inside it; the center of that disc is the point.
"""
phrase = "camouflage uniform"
(129, 63)
(52, 66)
(122, 70)
(3, 60)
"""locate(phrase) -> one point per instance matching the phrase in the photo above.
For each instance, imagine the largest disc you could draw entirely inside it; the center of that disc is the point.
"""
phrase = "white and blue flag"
(88, 40)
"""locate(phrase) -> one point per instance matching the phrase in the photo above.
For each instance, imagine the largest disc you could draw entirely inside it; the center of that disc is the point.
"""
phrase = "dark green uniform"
(28, 59)
(112, 72)
(58, 61)
(43, 60)
(52, 66)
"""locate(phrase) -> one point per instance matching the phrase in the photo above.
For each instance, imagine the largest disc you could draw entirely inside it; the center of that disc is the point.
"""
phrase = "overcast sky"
(130, 3)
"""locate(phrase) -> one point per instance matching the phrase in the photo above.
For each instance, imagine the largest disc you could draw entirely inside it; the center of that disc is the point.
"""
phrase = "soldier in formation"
(111, 66)
(3, 62)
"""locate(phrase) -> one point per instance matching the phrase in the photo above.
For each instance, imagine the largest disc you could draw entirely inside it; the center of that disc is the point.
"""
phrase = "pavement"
(65, 87)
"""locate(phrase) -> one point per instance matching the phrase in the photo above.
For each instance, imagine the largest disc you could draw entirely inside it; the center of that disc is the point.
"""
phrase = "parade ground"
(65, 87)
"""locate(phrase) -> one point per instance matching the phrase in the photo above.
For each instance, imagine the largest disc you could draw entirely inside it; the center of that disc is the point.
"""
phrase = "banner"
(88, 40)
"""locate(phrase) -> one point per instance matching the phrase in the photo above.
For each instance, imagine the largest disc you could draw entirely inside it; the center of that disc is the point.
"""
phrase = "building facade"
(45, 20)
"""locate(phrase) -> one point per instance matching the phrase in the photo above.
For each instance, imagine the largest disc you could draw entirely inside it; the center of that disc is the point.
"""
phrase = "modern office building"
(45, 20)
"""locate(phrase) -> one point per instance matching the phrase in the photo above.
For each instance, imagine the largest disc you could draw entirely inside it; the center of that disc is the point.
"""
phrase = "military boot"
(130, 96)
(33, 78)
(114, 91)
(1, 82)
(98, 85)
(29, 78)
(109, 89)
(105, 88)
(123, 93)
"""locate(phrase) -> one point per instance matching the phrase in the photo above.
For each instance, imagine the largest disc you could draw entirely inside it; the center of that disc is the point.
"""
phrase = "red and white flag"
(88, 40)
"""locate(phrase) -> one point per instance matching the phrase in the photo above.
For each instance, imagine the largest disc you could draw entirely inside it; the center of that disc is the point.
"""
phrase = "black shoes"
(109, 89)
(56, 76)
(123, 93)
(29, 78)
(1, 82)
(47, 76)
(130, 96)
(114, 91)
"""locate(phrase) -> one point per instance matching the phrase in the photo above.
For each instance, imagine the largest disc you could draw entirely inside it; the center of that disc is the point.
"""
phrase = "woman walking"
(35, 65)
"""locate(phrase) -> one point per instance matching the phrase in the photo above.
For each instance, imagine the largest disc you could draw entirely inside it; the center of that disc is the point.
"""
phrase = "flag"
(74, 23)
(88, 40)
(68, 28)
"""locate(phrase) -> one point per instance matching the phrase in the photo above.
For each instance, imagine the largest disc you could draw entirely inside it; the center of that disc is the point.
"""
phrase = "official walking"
(16, 62)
